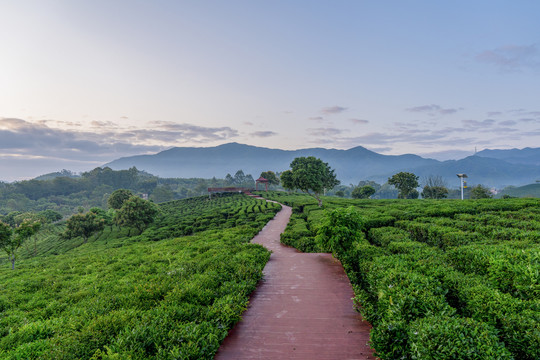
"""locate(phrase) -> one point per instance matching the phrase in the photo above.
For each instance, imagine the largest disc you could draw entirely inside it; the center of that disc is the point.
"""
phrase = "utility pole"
(461, 177)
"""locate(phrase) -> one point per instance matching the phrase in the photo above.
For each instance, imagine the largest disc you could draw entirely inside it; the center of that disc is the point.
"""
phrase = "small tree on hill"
(84, 225)
(12, 239)
(117, 198)
(405, 182)
(311, 175)
(137, 213)
(434, 188)
(363, 192)
(480, 192)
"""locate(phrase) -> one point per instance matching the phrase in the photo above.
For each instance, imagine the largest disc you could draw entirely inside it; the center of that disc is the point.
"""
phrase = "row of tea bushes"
(435, 282)
(129, 298)
(222, 211)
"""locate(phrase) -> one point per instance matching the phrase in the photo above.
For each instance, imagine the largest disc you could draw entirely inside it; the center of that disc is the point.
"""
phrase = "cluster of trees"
(240, 180)
(17, 227)
(406, 185)
(125, 209)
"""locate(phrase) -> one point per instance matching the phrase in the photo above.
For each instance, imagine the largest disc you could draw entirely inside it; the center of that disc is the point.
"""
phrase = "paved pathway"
(302, 309)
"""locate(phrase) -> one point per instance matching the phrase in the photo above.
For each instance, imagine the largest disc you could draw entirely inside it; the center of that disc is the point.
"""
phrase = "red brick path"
(302, 309)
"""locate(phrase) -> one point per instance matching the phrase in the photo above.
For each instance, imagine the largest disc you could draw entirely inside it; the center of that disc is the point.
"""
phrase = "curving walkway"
(302, 309)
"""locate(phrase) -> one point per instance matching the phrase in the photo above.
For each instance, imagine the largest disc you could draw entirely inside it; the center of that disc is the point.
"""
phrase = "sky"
(86, 82)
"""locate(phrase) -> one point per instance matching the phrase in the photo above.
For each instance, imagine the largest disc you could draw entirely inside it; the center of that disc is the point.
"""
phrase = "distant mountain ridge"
(351, 165)
(526, 156)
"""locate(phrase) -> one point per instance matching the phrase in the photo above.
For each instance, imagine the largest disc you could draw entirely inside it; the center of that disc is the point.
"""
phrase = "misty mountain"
(351, 165)
(526, 156)
(482, 170)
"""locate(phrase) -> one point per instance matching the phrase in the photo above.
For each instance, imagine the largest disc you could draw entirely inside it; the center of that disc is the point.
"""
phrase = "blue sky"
(85, 82)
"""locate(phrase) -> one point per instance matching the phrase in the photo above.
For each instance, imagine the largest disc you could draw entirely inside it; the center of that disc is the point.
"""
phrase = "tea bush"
(439, 279)
(157, 295)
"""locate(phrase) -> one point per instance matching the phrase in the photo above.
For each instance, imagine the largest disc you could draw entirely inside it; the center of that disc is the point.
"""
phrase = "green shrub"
(440, 338)
(340, 228)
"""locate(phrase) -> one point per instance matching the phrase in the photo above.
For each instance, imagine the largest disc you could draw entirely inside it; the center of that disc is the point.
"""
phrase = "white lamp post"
(461, 177)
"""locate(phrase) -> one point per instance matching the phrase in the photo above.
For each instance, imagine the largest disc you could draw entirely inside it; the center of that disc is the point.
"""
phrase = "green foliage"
(434, 188)
(531, 190)
(480, 192)
(240, 180)
(310, 175)
(136, 212)
(12, 239)
(438, 338)
(405, 182)
(363, 192)
(163, 193)
(84, 225)
(118, 197)
(65, 193)
(340, 228)
(5, 235)
(50, 216)
(136, 298)
(439, 279)
(287, 180)
(271, 177)
(413, 194)
(434, 192)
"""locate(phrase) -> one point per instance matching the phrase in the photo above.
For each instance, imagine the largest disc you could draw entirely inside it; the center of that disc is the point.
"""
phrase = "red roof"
(261, 179)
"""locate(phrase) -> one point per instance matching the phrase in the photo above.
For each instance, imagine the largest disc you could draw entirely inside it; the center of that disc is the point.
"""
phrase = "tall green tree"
(405, 182)
(12, 239)
(310, 175)
(84, 225)
(287, 180)
(118, 197)
(271, 177)
(137, 213)
(363, 192)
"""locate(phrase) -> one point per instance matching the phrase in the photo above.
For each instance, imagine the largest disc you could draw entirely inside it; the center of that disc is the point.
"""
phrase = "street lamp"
(461, 177)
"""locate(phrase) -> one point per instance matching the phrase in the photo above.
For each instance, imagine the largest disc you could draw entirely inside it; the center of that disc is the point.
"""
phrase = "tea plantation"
(437, 279)
(172, 292)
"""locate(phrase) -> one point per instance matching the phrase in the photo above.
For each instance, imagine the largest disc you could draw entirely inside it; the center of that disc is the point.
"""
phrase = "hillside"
(351, 165)
(133, 297)
(531, 190)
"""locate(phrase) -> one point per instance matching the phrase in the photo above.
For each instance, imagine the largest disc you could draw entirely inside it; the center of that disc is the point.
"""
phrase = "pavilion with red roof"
(263, 181)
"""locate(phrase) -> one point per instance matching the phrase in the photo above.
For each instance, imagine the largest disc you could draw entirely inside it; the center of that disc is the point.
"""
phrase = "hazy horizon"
(84, 83)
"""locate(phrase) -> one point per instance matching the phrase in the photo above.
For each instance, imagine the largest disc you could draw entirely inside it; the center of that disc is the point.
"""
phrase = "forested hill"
(351, 165)
(66, 194)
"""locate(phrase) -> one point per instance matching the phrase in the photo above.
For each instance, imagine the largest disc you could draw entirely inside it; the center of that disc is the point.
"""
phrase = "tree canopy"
(271, 176)
(480, 192)
(12, 239)
(363, 192)
(137, 213)
(405, 182)
(118, 197)
(310, 175)
(434, 188)
(84, 225)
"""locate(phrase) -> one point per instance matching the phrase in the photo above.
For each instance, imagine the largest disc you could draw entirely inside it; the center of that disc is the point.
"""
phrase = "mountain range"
(494, 168)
